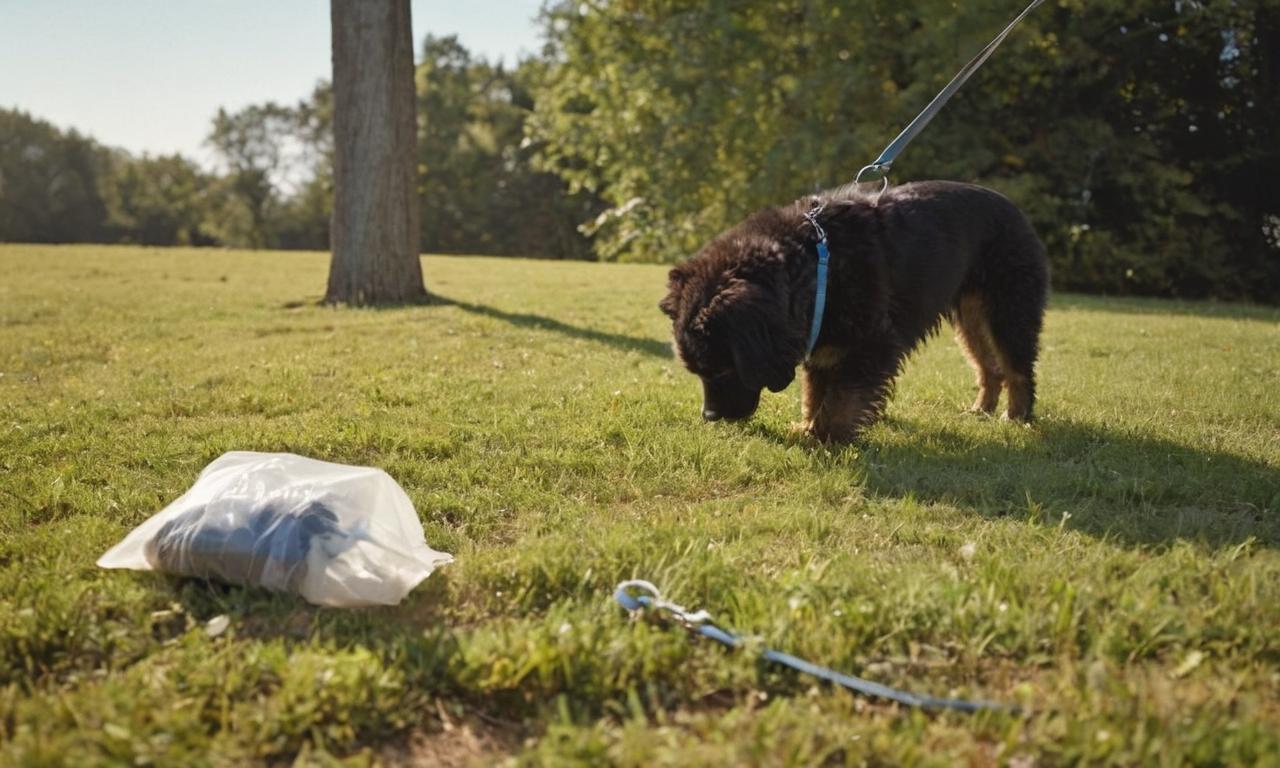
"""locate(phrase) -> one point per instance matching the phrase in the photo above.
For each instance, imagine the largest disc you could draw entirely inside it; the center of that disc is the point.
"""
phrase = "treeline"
(62, 187)
(1139, 136)
(272, 187)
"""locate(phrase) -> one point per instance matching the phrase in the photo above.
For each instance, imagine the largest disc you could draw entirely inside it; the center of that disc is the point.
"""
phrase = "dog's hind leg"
(1015, 314)
(973, 334)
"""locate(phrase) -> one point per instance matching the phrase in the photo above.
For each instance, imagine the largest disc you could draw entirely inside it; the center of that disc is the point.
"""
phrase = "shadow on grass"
(1131, 488)
(257, 613)
(621, 341)
(541, 322)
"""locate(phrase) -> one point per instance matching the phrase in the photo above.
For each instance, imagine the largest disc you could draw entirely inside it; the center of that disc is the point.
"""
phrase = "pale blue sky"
(148, 75)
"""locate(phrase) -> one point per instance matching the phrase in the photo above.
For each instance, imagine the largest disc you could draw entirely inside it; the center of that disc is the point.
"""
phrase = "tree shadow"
(621, 341)
(1136, 489)
(424, 300)
(652, 347)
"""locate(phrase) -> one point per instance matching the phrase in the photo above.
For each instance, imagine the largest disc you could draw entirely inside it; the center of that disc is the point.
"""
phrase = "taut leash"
(878, 170)
(885, 160)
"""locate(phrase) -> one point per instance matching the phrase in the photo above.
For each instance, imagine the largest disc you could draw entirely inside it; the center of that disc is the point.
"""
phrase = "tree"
(161, 200)
(250, 144)
(374, 234)
(1136, 135)
(50, 183)
(477, 187)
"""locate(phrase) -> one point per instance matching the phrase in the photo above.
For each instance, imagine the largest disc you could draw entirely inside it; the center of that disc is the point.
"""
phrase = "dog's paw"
(831, 437)
(799, 432)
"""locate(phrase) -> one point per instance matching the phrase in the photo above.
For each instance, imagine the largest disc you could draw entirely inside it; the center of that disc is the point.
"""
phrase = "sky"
(148, 75)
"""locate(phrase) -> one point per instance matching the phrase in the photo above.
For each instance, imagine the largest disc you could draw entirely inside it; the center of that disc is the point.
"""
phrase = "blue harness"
(820, 299)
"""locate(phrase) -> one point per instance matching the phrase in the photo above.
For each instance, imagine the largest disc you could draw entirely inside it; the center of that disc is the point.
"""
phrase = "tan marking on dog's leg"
(815, 387)
(1019, 408)
(845, 412)
(973, 334)
(1018, 388)
(826, 357)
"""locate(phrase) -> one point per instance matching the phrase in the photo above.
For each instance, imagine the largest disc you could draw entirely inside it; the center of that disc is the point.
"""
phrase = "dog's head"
(730, 312)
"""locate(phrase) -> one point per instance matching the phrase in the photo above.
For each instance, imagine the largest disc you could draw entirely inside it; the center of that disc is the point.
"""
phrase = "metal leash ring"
(883, 170)
(811, 216)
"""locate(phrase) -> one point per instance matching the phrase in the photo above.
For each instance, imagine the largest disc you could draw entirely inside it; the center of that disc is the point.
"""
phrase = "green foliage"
(1136, 136)
(49, 183)
(478, 191)
(159, 200)
(277, 189)
(273, 188)
(1113, 568)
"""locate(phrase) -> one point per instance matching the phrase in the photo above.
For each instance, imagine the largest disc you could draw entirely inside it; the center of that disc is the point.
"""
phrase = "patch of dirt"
(452, 744)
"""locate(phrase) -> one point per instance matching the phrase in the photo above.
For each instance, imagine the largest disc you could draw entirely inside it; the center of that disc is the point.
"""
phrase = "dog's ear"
(670, 305)
(753, 317)
(758, 364)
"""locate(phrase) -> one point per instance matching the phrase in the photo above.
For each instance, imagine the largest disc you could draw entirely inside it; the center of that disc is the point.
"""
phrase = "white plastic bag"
(335, 534)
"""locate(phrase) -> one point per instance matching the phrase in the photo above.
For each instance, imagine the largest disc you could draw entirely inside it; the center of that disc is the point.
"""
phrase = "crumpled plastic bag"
(337, 535)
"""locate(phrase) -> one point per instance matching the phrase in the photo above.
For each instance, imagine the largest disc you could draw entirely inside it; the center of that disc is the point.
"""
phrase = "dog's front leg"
(816, 383)
(841, 402)
(848, 409)
(813, 389)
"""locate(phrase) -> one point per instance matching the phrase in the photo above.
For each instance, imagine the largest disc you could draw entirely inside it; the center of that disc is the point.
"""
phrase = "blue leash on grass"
(630, 595)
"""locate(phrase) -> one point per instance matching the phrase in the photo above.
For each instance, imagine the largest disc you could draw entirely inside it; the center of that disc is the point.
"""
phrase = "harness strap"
(820, 298)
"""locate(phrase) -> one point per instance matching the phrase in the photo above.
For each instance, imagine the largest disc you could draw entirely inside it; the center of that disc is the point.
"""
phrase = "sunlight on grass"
(1113, 568)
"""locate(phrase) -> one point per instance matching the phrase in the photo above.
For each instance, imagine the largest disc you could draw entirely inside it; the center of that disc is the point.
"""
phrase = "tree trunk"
(374, 230)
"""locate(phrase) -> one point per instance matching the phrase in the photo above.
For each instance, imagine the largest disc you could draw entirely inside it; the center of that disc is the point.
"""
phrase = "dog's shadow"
(1132, 488)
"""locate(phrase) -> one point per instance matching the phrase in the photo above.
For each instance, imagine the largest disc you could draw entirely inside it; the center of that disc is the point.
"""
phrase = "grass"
(1113, 570)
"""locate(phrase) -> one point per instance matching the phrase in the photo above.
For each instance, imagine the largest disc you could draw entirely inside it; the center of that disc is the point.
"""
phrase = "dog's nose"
(710, 415)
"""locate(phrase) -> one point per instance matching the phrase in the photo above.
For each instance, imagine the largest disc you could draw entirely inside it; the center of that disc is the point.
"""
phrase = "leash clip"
(812, 217)
(876, 172)
(633, 603)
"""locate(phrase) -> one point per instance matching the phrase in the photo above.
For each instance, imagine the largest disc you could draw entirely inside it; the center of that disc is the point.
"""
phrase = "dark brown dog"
(742, 307)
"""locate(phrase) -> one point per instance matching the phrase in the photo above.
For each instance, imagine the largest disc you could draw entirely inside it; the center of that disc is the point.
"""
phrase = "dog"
(741, 309)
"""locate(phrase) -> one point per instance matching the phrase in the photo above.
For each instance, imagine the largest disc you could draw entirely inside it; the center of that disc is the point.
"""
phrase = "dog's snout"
(725, 399)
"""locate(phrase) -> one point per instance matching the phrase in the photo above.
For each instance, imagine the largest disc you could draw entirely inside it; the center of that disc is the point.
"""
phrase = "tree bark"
(374, 230)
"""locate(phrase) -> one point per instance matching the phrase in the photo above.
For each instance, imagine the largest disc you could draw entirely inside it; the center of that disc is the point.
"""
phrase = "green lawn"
(1113, 569)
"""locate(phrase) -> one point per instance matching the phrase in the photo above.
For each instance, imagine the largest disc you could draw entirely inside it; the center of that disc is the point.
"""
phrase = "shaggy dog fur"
(741, 309)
